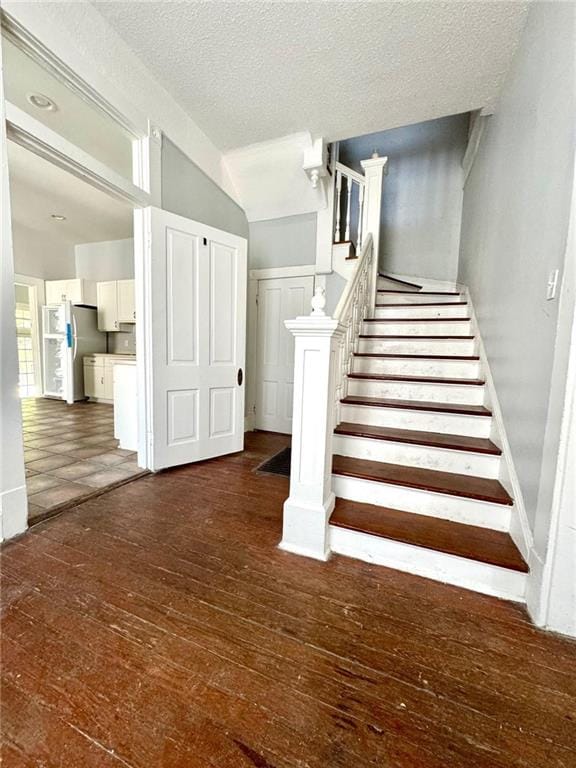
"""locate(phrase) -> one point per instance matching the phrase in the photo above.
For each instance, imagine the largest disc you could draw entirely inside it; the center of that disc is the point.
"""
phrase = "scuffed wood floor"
(159, 625)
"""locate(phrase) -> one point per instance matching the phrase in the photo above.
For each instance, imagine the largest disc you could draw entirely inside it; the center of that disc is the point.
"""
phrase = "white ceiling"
(39, 189)
(251, 71)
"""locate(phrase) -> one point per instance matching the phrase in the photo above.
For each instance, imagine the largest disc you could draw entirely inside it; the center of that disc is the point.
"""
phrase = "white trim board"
(275, 272)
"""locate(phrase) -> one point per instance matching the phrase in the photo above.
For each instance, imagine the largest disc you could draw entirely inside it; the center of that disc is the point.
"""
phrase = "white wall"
(285, 242)
(107, 260)
(422, 194)
(514, 230)
(37, 255)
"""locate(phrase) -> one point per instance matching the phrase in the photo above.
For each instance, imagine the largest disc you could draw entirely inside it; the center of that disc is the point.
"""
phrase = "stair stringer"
(520, 530)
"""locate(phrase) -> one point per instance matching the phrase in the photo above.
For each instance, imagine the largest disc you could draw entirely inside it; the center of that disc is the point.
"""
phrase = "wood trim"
(417, 319)
(417, 357)
(414, 337)
(271, 273)
(459, 539)
(420, 293)
(429, 304)
(417, 437)
(450, 483)
(417, 405)
(415, 379)
(397, 280)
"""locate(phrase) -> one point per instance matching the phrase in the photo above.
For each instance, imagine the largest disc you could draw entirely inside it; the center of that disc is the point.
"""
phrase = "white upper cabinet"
(126, 301)
(116, 304)
(76, 290)
(107, 306)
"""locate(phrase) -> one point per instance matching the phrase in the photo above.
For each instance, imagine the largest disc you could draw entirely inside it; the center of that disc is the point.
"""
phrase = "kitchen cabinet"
(76, 290)
(126, 301)
(116, 304)
(99, 375)
(108, 306)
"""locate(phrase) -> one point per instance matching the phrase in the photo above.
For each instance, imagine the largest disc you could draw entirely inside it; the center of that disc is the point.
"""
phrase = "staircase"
(415, 471)
(396, 455)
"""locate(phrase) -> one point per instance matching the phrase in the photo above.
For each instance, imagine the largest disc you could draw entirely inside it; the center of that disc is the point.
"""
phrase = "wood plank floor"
(159, 626)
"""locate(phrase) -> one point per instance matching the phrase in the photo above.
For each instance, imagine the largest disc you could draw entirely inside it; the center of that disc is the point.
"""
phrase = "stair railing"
(323, 349)
(346, 181)
(351, 310)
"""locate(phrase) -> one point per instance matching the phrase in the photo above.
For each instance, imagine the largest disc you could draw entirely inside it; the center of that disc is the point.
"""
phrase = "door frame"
(254, 276)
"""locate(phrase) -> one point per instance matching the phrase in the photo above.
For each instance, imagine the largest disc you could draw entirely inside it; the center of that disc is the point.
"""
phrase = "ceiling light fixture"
(57, 217)
(40, 101)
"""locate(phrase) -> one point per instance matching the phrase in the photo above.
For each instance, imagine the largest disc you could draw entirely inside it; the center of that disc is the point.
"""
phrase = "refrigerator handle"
(75, 337)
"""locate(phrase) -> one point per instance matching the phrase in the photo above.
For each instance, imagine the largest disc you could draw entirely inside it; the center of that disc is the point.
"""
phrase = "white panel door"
(196, 322)
(278, 300)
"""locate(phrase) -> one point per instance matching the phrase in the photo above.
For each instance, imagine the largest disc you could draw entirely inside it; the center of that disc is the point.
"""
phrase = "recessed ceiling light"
(40, 101)
(57, 217)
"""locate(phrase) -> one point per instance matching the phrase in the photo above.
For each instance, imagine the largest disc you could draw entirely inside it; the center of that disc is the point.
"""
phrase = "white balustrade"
(349, 185)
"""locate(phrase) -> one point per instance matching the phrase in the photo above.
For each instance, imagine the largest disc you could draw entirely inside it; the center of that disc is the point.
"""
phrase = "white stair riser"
(460, 310)
(484, 514)
(424, 421)
(389, 297)
(418, 347)
(426, 457)
(383, 284)
(450, 569)
(419, 328)
(443, 369)
(468, 394)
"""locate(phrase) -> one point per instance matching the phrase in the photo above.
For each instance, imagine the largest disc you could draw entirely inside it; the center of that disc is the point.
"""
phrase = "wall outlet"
(552, 285)
(126, 343)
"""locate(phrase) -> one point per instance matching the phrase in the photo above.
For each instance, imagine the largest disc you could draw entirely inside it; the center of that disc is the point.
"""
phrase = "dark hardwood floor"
(160, 626)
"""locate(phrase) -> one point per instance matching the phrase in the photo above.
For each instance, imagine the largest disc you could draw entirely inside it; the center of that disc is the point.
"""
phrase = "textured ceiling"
(251, 71)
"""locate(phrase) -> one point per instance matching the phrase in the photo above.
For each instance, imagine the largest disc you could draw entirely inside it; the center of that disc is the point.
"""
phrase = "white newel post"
(374, 170)
(311, 502)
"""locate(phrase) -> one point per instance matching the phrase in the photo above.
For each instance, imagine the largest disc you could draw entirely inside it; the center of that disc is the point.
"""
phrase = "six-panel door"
(197, 279)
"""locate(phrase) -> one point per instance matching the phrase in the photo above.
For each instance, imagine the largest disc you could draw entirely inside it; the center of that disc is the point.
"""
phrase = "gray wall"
(422, 194)
(187, 191)
(285, 242)
(106, 260)
(514, 229)
(37, 255)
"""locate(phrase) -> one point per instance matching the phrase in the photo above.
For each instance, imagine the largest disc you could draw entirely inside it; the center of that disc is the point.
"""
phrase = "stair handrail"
(354, 306)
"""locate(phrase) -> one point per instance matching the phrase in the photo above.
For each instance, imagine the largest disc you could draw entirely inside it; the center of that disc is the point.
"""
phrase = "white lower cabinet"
(99, 376)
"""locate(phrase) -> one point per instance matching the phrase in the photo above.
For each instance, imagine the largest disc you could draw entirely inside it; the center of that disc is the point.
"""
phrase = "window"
(27, 378)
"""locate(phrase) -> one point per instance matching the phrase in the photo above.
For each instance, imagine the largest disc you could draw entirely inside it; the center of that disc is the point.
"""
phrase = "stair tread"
(415, 379)
(428, 304)
(451, 483)
(417, 405)
(397, 280)
(414, 337)
(468, 541)
(416, 357)
(417, 319)
(418, 437)
(420, 293)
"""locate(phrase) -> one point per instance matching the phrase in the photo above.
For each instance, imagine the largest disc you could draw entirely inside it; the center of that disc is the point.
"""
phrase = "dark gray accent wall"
(187, 191)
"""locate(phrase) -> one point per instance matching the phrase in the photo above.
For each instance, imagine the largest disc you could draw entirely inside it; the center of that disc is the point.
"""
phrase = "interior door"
(278, 300)
(195, 330)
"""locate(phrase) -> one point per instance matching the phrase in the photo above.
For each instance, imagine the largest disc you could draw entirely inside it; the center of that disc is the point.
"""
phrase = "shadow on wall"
(422, 198)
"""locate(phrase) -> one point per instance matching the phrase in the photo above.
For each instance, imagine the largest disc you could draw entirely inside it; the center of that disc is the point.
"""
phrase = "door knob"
(240, 377)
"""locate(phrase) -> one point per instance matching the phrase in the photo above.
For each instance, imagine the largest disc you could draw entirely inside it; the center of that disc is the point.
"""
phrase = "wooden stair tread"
(417, 319)
(417, 437)
(397, 280)
(416, 357)
(451, 483)
(417, 405)
(429, 304)
(471, 542)
(420, 293)
(414, 337)
(415, 379)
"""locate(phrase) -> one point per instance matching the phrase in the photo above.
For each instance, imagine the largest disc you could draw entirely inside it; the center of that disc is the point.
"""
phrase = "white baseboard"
(13, 512)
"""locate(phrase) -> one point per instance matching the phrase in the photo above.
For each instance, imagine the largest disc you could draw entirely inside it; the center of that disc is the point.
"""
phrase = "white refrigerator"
(68, 333)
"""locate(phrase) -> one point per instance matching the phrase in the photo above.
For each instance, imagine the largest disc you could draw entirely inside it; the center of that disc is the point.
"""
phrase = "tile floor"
(70, 452)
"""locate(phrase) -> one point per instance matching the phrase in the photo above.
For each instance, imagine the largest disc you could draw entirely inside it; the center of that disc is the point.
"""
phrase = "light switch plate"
(552, 284)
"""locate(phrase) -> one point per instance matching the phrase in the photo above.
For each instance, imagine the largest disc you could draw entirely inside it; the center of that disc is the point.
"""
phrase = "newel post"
(374, 170)
(311, 502)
